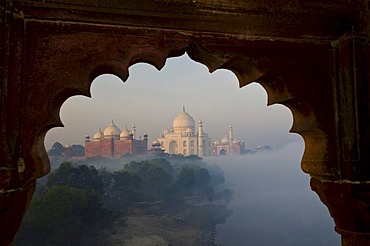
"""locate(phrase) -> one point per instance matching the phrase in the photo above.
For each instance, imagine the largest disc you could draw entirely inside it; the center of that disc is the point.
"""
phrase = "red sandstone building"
(112, 143)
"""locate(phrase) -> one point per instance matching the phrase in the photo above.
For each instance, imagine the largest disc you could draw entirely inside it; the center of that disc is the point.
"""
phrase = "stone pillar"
(347, 196)
(17, 172)
(348, 203)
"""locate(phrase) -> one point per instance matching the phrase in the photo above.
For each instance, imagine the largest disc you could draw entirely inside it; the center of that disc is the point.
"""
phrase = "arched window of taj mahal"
(173, 147)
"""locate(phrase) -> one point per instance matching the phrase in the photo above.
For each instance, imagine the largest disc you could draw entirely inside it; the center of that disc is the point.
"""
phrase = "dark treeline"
(78, 204)
(68, 150)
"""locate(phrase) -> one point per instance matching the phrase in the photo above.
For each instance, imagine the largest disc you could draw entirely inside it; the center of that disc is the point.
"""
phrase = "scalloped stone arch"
(318, 67)
(243, 67)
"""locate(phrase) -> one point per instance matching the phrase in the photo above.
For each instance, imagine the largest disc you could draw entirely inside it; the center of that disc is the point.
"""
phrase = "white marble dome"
(99, 135)
(112, 130)
(183, 121)
(225, 139)
(156, 142)
(125, 133)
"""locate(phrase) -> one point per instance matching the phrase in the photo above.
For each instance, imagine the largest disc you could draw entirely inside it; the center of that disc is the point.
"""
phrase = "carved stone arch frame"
(71, 61)
(60, 63)
(324, 83)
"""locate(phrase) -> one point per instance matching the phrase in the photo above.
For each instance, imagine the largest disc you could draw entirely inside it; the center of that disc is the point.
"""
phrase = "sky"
(151, 99)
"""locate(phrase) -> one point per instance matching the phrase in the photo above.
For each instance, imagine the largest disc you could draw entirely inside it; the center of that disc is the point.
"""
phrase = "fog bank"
(273, 203)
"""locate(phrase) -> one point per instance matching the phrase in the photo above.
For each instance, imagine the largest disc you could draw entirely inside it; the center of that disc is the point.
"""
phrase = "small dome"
(125, 133)
(235, 141)
(155, 142)
(166, 131)
(99, 135)
(112, 130)
(67, 146)
(225, 139)
(183, 121)
(217, 142)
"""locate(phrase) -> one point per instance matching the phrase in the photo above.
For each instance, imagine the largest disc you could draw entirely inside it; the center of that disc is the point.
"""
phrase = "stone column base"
(350, 238)
(349, 205)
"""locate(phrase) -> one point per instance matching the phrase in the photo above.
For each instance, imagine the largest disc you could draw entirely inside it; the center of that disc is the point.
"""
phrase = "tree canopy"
(78, 198)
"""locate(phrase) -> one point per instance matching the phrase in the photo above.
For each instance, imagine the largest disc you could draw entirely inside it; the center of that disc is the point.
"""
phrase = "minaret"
(112, 145)
(200, 138)
(133, 131)
(231, 140)
(145, 151)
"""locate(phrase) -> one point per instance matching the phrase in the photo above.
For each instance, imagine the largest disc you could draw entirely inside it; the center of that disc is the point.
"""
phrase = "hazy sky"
(152, 99)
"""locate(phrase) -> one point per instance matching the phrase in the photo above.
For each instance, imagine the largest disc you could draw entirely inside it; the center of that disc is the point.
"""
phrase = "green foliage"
(202, 177)
(126, 186)
(74, 197)
(194, 180)
(54, 218)
(56, 149)
(186, 178)
(155, 176)
(76, 176)
(217, 176)
(182, 158)
(77, 150)
(71, 203)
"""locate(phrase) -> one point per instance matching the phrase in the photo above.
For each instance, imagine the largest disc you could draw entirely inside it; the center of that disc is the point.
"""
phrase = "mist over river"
(273, 203)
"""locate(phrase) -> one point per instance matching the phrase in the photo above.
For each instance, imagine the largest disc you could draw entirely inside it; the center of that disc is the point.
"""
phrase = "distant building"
(182, 138)
(112, 143)
(228, 145)
(156, 149)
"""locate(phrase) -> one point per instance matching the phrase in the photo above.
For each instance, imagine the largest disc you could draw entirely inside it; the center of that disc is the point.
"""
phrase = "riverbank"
(148, 230)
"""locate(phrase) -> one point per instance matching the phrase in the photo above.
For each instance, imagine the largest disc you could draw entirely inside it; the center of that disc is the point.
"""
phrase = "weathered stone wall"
(311, 56)
(93, 149)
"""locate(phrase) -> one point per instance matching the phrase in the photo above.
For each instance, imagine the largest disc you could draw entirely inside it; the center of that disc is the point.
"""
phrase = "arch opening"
(218, 102)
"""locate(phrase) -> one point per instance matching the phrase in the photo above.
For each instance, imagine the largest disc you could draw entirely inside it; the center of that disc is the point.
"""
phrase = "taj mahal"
(183, 138)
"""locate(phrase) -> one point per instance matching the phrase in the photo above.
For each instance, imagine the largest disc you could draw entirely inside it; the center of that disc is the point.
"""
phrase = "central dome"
(183, 121)
(112, 131)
